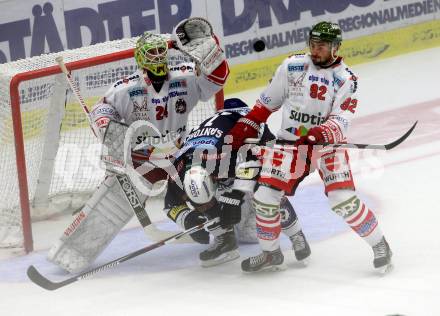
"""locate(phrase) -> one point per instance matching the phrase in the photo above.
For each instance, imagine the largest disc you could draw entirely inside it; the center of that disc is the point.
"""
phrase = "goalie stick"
(36, 277)
(388, 146)
(125, 183)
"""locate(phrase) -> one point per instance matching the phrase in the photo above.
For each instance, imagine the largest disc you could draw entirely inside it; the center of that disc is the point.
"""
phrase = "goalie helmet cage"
(56, 163)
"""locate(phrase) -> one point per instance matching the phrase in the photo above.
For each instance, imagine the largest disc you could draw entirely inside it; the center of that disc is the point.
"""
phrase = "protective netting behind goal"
(59, 159)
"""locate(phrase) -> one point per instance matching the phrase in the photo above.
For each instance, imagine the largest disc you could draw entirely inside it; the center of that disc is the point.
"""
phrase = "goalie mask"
(198, 185)
(151, 54)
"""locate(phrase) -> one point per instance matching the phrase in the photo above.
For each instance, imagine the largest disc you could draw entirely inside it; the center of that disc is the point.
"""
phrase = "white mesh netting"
(60, 175)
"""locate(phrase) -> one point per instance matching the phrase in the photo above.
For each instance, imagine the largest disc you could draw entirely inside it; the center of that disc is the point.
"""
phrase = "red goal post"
(41, 124)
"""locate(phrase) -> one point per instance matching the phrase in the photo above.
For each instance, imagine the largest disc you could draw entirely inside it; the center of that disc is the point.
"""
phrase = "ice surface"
(400, 186)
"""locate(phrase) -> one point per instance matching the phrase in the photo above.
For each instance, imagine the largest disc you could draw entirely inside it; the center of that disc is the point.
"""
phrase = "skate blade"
(385, 269)
(226, 257)
(274, 268)
(277, 268)
(304, 262)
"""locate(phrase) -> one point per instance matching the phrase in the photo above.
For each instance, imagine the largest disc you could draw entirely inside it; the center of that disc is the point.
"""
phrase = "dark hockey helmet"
(234, 103)
(327, 32)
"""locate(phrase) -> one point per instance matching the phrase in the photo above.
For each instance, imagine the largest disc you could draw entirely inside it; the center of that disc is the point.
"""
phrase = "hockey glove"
(230, 210)
(196, 218)
(315, 135)
(101, 115)
(248, 126)
(194, 37)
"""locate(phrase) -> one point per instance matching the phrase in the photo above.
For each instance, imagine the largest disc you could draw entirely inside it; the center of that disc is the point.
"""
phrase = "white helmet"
(199, 185)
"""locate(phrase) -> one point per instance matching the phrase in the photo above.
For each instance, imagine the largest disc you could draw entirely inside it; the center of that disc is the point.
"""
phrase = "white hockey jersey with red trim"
(134, 98)
(310, 96)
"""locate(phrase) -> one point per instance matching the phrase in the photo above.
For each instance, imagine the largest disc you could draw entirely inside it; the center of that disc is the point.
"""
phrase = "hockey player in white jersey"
(217, 184)
(161, 94)
(317, 93)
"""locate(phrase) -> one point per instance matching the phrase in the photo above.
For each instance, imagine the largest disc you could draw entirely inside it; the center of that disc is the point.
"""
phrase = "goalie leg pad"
(246, 229)
(94, 227)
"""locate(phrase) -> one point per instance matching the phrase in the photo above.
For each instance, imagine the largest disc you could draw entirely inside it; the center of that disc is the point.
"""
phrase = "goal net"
(49, 161)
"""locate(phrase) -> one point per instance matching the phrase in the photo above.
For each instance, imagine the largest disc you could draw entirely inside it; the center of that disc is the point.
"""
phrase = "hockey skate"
(300, 247)
(224, 249)
(382, 256)
(267, 260)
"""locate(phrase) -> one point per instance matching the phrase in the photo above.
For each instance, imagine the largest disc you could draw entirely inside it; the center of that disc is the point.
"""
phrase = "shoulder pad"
(296, 56)
(350, 74)
(345, 76)
(183, 69)
(135, 77)
(297, 63)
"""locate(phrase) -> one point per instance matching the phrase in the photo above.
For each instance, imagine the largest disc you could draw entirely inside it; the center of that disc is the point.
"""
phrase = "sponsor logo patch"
(265, 98)
(194, 189)
(180, 106)
(305, 118)
(367, 226)
(182, 68)
(125, 80)
(103, 111)
(72, 227)
(101, 122)
(292, 67)
(177, 84)
(136, 92)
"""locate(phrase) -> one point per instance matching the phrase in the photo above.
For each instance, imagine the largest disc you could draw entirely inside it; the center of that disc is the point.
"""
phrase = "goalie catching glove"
(195, 38)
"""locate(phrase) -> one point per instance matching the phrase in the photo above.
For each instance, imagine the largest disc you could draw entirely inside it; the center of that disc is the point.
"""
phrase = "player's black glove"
(195, 218)
(230, 209)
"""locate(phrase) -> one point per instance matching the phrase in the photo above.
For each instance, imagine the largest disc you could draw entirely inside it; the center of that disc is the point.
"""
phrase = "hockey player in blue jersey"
(220, 182)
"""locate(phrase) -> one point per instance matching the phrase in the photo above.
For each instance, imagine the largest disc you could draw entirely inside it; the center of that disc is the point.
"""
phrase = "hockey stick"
(388, 146)
(36, 277)
(124, 181)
